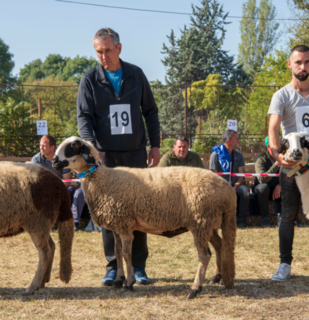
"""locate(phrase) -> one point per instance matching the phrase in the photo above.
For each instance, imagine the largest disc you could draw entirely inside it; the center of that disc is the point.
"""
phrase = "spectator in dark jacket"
(181, 156)
(266, 188)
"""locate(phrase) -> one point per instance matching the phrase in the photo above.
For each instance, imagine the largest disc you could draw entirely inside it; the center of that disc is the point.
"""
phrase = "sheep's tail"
(228, 247)
(66, 234)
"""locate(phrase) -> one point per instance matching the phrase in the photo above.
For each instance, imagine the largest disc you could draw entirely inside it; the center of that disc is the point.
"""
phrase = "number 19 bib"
(302, 119)
(120, 119)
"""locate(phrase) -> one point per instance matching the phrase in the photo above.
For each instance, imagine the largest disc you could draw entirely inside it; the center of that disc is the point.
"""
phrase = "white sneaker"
(283, 272)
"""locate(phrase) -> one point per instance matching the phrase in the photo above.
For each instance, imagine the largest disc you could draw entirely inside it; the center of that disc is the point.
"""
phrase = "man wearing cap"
(266, 188)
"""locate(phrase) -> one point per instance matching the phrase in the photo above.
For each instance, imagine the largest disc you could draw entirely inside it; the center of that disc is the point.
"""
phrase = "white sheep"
(31, 199)
(295, 147)
(157, 201)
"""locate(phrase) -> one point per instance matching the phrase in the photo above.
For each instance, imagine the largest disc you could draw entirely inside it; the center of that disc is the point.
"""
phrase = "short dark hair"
(181, 138)
(51, 140)
(300, 48)
(227, 135)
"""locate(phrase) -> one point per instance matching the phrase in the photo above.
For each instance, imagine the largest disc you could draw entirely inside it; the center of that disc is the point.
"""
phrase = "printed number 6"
(305, 120)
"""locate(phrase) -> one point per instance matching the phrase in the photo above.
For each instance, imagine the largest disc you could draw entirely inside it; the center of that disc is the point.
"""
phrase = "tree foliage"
(259, 33)
(299, 30)
(198, 52)
(58, 67)
(274, 73)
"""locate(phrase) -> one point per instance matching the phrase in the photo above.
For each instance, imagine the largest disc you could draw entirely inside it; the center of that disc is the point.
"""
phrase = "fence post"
(186, 111)
(265, 133)
(161, 137)
(40, 108)
(199, 130)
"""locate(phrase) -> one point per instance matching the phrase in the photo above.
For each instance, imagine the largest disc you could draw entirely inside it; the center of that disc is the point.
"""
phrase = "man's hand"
(154, 157)
(284, 163)
(277, 192)
(235, 187)
(100, 155)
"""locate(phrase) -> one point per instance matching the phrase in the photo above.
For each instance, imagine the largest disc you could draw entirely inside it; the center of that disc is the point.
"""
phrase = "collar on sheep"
(88, 172)
(299, 169)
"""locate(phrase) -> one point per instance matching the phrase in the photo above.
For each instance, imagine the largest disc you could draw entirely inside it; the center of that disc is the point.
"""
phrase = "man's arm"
(214, 162)
(274, 141)
(85, 107)
(150, 114)
(240, 180)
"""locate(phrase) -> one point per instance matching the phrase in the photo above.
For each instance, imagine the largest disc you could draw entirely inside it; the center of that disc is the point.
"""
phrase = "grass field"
(171, 265)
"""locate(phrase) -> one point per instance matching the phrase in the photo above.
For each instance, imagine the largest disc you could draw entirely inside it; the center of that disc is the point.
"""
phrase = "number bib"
(302, 119)
(120, 119)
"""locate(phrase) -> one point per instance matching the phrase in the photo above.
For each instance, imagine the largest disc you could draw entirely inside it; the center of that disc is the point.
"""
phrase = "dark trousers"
(243, 199)
(264, 193)
(290, 205)
(135, 159)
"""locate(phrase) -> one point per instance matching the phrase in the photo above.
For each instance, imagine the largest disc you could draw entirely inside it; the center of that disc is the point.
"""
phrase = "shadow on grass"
(257, 289)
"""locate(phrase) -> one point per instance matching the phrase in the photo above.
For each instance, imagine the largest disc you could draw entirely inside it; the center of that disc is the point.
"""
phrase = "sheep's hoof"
(118, 284)
(216, 278)
(193, 292)
(128, 288)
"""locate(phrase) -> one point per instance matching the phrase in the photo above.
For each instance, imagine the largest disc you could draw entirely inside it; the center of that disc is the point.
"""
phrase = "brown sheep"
(157, 201)
(31, 199)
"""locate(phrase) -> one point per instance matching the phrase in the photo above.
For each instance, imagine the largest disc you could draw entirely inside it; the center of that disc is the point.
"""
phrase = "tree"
(198, 52)
(275, 73)
(259, 34)
(6, 64)
(299, 30)
(57, 66)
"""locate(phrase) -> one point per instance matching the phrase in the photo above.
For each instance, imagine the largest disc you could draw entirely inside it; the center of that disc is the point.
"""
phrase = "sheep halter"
(300, 168)
(88, 172)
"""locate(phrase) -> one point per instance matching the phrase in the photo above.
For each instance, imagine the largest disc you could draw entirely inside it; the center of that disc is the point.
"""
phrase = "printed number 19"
(124, 117)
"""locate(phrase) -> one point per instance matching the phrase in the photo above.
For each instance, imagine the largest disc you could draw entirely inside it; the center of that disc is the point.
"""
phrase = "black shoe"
(241, 224)
(76, 226)
(265, 223)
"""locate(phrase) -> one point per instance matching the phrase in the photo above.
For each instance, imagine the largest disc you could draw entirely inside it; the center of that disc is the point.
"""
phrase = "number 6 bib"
(302, 119)
(120, 119)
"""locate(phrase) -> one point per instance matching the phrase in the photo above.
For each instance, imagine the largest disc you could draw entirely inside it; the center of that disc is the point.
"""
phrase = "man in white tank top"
(290, 109)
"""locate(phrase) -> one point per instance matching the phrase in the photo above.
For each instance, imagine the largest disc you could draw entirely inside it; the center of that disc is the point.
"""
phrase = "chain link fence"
(199, 112)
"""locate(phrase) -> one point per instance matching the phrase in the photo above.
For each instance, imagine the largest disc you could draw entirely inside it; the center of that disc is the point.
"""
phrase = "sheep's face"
(75, 153)
(294, 146)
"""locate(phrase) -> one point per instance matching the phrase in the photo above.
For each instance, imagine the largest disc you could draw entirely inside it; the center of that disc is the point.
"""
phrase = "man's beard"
(302, 77)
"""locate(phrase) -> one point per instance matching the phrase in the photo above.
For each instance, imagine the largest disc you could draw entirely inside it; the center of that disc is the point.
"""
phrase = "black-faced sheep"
(156, 201)
(295, 147)
(31, 199)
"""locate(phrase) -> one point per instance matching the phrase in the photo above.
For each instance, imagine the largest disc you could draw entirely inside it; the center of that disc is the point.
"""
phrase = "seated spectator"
(222, 159)
(44, 157)
(181, 156)
(80, 211)
(266, 188)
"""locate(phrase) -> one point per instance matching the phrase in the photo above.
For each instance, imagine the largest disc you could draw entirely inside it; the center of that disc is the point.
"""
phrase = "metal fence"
(201, 113)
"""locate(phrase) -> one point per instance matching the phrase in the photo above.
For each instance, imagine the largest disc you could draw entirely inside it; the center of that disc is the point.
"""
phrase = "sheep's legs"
(216, 241)
(118, 253)
(127, 253)
(204, 258)
(45, 256)
(50, 263)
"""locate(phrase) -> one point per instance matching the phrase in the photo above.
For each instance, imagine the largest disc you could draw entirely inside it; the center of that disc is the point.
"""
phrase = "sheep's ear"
(284, 146)
(86, 155)
(304, 143)
(72, 149)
